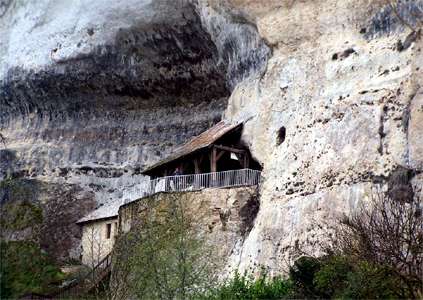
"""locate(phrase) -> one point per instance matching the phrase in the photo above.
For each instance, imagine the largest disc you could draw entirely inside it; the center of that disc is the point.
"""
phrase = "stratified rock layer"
(92, 92)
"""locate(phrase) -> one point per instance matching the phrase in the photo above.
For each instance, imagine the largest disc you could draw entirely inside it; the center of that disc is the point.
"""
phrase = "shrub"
(26, 269)
(332, 277)
(343, 277)
(246, 287)
(302, 274)
(370, 281)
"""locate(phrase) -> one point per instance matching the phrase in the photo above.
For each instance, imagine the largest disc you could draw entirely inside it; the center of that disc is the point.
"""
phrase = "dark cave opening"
(281, 135)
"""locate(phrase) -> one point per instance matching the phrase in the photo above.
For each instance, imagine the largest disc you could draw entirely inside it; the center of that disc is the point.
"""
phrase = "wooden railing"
(85, 284)
(193, 182)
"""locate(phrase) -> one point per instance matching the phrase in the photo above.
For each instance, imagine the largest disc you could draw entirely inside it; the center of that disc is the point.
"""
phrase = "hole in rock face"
(281, 136)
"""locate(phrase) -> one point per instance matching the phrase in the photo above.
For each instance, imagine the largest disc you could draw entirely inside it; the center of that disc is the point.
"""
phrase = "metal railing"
(193, 182)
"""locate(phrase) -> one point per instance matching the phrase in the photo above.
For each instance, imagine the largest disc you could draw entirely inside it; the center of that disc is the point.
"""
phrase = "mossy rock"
(20, 210)
(20, 215)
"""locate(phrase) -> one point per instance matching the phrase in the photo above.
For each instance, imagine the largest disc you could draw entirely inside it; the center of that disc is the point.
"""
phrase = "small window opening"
(116, 228)
(281, 136)
(108, 230)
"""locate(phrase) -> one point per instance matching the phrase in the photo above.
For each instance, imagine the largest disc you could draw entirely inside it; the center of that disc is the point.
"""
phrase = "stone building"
(99, 230)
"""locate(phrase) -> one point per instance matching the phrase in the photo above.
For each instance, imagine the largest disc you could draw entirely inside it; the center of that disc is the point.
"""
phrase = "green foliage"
(166, 255)
(342, 277)
(20, 215)
(246, 287)
(332, 276)
(26, 269)
(302, 274)
(369, 281)
(19, 189)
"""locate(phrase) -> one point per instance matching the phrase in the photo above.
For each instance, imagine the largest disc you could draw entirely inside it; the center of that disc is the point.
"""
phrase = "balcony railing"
(193, 182)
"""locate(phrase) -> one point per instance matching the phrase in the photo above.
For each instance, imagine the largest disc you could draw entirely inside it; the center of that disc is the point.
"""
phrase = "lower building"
(99, 231)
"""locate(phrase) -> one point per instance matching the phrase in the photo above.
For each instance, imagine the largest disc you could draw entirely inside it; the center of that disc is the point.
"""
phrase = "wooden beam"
(230, 149)
(220, 155)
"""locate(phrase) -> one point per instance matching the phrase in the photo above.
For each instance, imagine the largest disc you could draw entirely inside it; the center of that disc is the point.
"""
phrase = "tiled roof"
(199, 142)
(106, 211)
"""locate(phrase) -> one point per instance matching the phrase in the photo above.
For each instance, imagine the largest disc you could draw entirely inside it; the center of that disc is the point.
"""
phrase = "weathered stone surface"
(225, 216)
(44, 213)
(92, 91)
(342, 90)
(415, 131)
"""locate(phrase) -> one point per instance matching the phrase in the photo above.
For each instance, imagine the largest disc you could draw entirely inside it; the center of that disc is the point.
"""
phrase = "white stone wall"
(95, 244)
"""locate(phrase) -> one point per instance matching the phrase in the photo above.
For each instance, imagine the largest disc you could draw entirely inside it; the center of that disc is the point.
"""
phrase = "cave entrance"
(216, 150)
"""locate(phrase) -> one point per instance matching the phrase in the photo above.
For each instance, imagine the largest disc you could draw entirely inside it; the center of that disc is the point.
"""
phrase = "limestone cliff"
(335, 115)
(92, 91)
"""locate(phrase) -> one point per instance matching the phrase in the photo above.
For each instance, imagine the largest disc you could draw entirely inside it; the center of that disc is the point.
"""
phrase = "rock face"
(92, 91)
(345, 92)
(44, 213)
(224, 216)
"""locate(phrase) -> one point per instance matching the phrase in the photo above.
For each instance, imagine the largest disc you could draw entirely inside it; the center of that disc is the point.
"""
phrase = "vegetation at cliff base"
(246, 287)
(19, 215)
(164, 256)
(376, 253)
(25, 268)
(328, 277)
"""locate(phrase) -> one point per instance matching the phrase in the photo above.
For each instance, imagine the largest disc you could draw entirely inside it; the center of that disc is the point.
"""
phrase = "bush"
(245, 287)
(369, 281)
(332, 277)
(302, 274)
(342, 277)
(26, 269)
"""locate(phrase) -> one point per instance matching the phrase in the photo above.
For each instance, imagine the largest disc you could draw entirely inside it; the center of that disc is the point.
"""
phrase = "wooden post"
(246, 161)
(240, 159)
(213, 166)
(197, 166)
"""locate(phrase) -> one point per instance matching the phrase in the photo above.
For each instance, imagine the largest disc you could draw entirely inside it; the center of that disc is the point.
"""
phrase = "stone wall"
(227, 215)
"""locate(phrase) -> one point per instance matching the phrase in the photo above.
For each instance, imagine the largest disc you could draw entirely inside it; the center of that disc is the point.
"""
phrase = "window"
(108, 230)
(116, 229)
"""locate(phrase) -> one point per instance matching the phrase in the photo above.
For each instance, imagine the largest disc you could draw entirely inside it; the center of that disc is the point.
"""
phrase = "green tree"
(165, 255)
(25, 268)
